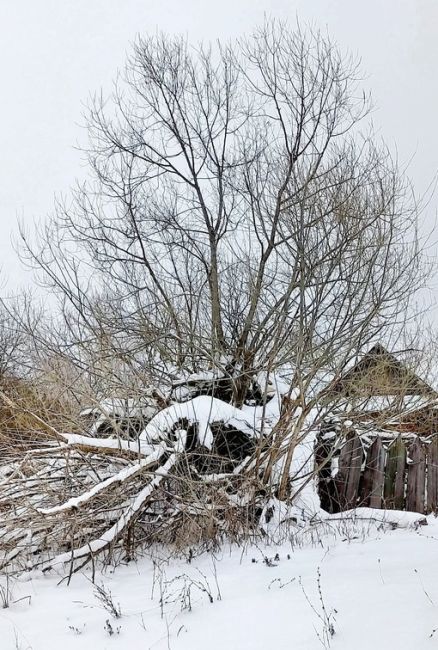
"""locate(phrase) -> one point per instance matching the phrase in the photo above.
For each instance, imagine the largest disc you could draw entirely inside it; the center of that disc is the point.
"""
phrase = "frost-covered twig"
(125, 474)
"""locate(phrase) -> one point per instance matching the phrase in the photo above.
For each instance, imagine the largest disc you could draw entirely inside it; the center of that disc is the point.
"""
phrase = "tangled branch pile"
(198, 472)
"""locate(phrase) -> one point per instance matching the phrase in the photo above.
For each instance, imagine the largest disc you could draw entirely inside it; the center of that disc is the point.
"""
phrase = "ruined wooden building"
(382, 449)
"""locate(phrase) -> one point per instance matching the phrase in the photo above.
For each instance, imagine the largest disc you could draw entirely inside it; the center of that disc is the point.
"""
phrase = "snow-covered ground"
(371, 586)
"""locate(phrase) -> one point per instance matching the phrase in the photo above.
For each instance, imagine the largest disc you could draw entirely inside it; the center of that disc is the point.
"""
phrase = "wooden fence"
(401, 474)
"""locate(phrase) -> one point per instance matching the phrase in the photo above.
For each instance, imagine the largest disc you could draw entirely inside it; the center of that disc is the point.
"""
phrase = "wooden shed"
(381, 449)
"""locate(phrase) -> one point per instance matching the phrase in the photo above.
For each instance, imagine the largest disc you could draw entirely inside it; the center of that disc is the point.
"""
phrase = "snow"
(369, 576)
(124, 408)
(203, 410)
(195, 377)
(138, 447)
(379, 588)
(111, 406)
(111, 535)
(119, 477)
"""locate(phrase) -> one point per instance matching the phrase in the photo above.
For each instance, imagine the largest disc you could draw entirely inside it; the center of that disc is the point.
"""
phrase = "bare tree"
(236, 217)
(240, 217)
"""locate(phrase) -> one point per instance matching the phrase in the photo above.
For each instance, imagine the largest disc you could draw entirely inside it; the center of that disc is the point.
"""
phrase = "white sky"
(54, 53)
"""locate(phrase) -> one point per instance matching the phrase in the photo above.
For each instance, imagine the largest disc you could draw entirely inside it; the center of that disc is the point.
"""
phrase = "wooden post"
(432, 475)
(374, 475)
(416, 478)
(394, 491)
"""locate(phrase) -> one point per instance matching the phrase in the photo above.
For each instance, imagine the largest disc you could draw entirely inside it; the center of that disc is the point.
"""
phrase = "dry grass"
(30, 416)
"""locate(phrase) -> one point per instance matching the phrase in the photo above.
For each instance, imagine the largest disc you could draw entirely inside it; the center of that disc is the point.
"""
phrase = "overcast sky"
(54, 53)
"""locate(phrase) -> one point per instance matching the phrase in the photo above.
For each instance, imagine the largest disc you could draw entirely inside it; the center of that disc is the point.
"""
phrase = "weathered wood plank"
(390, 476)
(432, 475)
(348, 477)
(373, 478)
(324, 451)
(416, 478)
(341, 479)
(395, 475)
(344, 461)
(355, 472)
